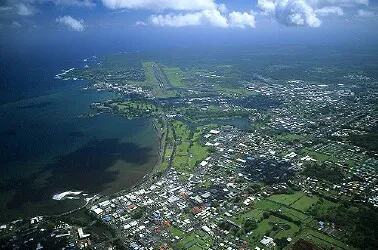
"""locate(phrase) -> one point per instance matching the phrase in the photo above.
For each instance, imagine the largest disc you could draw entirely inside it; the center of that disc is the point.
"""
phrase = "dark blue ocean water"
(29, 71)
(48, 147)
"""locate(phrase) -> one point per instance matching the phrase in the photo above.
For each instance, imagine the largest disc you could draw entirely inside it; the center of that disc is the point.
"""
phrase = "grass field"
(132, 109)
(295, 215)
(187, 242)
(150, 77)
(318, 156)
(294, 207)
(284, 228)
(323, 241)
(175, 76)
(255, 214)
(286, 199)
(267, 205)
(290, 137)
(176, 232)
(152, 83)
(305, 203)
(323, 206)
(195, 241)
(189, 151)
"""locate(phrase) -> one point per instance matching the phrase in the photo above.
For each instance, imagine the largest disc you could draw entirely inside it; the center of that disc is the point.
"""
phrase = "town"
(259, 164)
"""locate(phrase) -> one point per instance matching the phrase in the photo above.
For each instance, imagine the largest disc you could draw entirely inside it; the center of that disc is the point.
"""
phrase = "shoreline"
(162, 141)
(144, 180)
(147, 177)
(154, 164)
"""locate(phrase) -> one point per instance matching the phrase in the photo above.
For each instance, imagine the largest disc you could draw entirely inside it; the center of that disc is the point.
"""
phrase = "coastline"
(147, 177)
(34, 109)
(162, 140)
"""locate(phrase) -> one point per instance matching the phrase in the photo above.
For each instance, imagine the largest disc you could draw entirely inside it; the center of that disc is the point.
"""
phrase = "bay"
(50, 145)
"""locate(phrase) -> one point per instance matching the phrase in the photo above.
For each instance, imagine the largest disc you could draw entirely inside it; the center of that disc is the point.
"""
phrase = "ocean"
(48, 145)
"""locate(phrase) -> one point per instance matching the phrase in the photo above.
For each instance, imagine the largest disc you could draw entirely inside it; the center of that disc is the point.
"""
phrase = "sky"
(25, 23)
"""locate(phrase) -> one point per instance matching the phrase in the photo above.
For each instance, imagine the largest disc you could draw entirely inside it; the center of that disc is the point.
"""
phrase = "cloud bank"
(211, 17)
(365, 13)
(242, 20)
(16, 25)
(305, 12)
(325, 11)
(72, 23)
(78, 3)
(31, 7)
(186, 13)
(161, 4)
(25, 9)
(182, 13)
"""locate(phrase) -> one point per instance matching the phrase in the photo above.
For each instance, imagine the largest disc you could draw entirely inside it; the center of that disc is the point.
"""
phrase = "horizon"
(27, 24)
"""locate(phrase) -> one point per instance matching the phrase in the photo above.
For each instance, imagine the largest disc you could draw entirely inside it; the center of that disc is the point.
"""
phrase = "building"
(81, 234)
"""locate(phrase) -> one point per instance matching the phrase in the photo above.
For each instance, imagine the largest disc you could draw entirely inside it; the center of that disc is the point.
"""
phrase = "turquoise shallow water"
(47, 147)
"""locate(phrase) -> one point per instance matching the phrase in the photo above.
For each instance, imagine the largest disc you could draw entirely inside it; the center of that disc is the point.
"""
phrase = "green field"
(150, 77)
(176, 232)
(305, 203)
(290, 137)
(294, 214)
(132, 109)
(267, 205)
(323, 240)
(295, 205)
(255, 214)
(188, 241)
(198, 240)
(286, 199)
(151, 82)
(284, 216)
(175, 76)
(283, 228)
(318, 156)
(189, 151)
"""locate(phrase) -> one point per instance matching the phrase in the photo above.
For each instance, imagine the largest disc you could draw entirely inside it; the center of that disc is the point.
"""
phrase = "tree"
(250, 225)
(266, 215)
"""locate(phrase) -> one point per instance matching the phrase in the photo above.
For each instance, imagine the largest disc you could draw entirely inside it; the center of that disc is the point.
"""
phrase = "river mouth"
(48, 147)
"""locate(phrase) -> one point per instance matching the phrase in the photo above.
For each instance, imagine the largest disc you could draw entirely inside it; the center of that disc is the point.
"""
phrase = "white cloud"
(267, 6)
(170, 20)
(140, 23)
(197, 12)
(296, 13)
(305, 12)
(5, 8)
(211, 17)
(344, 3)
(222, 8)
(365, 13)
(30, 7)
(72, 23)
(16, 25)
(242, 20)
(79, 3)
(161, 4)
(333, 10)
(215, 18)
(25, 9)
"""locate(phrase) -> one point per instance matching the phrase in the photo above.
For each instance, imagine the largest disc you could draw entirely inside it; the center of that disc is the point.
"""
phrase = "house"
(81, 234)
(214, 132)
(268, 241)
